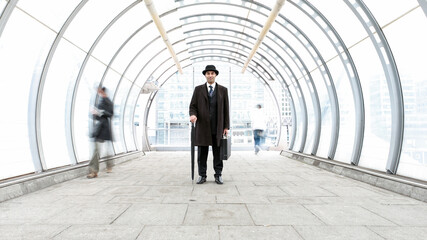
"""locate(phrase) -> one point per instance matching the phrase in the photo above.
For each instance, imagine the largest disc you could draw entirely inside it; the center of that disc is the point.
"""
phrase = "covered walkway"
(268, 196)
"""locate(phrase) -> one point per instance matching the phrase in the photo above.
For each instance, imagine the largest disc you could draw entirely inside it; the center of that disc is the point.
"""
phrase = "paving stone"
(336, 233)
(280, 214)
(401, 233)
(104, 232)
(347, 215)
(217, 214)
(180, 233)
(263, 197)
(258, 232)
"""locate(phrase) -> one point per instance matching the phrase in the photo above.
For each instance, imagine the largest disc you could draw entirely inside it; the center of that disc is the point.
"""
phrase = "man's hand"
(225, 133)
(193, 118)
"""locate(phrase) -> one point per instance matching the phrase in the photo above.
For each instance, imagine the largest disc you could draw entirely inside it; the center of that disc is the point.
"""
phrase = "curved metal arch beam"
(108, 67)
(255, 71)
(393, 82)
(303, 107)
(328, 81)
(130, 89)
(122, 122)
(350, 69)
(423, 5)
(324, 69)
(227, 50)
(330, 86)
(151, 98)
(145, 119)
(133, 82)
(150, 101)
(71, 106)
(283, 82)
(315, 100)
(35, 99)
(5, 15)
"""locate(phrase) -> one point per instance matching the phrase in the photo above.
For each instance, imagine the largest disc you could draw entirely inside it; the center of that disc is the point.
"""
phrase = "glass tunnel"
(339, 79)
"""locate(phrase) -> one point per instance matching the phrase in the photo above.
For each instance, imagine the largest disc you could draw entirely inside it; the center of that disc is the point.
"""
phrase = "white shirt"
(213, 86)
(258, 119)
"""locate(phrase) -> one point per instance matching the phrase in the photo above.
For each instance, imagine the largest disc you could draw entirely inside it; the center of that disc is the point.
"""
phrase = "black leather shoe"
(218, 179)
(201, 180)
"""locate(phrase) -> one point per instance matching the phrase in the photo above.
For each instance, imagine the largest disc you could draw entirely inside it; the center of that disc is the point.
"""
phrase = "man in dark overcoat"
(101, 133)
(209, 107)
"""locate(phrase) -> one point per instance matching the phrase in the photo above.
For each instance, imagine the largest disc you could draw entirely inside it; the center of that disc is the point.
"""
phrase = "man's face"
(210, 76)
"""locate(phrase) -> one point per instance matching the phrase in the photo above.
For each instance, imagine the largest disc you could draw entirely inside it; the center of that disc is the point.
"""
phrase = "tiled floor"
(265, 196)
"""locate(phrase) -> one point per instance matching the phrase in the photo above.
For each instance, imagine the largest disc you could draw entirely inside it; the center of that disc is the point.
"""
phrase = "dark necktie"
(210, 91)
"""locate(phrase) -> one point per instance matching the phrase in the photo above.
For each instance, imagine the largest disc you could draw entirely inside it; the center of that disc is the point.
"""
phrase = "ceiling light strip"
(274, 12)
(162, 31)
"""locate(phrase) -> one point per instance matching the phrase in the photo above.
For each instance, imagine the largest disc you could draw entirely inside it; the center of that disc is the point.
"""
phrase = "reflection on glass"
(170, 126)
(411, 62)
(24, 45)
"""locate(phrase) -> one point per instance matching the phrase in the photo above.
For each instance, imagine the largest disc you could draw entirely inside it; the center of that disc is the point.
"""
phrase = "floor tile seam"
(63, 230)
(313, 213)
(140, 232)
(298, 233)
(378, 234)
(377, 214)
(336, 195)
(250, 215)
(130, 205)
(185, 215)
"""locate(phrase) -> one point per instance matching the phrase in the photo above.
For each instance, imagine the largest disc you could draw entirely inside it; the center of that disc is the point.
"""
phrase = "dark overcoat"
(102, 129)
(199, 106)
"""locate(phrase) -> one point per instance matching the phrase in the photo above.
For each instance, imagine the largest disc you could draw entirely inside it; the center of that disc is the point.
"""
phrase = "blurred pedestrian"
(258, 126)
(209, 107)
(101, 133)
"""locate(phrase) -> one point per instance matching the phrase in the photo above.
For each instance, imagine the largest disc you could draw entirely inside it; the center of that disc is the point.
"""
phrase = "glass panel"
(211, 8)
(52, 13)
(316, 35)
(24, 46)
(411, 60)
(207, 26)
(128, 52)
(119, 111)
(376, 96)
(154, 69)
(85, 100)
(140, 121)
(144, 56)
(128, 118)
(85, 28)
(342, 18)
(298, 122)
(395, 9)
(347, 111)
(57, 94)
(3, 4)
(120, 31)
(294, 43)
(310, 115)
(326, 115)
(170, 126)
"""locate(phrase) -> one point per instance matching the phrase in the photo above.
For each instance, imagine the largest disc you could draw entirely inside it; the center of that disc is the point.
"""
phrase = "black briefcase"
(225, 148)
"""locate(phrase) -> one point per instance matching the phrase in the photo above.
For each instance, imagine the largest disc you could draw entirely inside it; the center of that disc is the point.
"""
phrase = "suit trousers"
(100, 149)
(203, 158)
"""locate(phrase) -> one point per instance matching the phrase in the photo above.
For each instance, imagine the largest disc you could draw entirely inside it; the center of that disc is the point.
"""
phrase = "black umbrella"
(193, 136)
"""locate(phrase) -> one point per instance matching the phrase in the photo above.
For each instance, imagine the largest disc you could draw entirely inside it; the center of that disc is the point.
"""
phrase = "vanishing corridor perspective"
(343, 84)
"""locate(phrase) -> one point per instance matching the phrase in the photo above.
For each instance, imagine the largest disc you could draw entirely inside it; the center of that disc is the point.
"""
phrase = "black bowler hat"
(210, 68)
